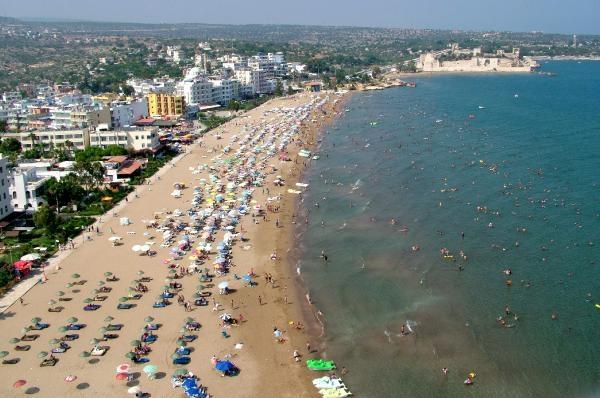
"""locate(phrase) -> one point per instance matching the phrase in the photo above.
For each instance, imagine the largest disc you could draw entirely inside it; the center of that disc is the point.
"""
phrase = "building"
(5, 205)
(131, 138)
(431, 62)
(71, 139)
(125, 113)
(25, 189)
(121, 168)
(165, 104)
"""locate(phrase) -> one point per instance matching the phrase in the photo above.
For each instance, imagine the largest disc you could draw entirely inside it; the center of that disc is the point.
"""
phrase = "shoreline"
(266, 366)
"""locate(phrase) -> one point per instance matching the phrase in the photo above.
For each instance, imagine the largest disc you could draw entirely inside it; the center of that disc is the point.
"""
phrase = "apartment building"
(165, 104)
(5, 205)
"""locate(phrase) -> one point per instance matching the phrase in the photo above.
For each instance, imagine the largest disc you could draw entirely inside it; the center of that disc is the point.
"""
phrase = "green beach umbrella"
(54, 341)
(165, 287)
(84, 354)
(60, 293)
(95, 291)
(150, 369)
(140, 272)
(107, 274)
(196, 295)
(130, 355)
(175, 356)
(103, 329)
(188, 320)
(69, 285)
(180, 372)
(182, 330)
(109, 319)
(72, 319)
(14, 340)
(36, 320)
(63, 329)
(148, 319)
(25, 330)
(181, 343)
(88, 300)
(123, 299)
(42, 354)
(172, 271)
(101, 283)
(3, 354)
(135, 343)
(159, 297)
(51, 302)
(94, 341)
(75, 276)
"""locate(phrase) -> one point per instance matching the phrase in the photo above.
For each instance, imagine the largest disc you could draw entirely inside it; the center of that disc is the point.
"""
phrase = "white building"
(127, 113)
(161, 85)
(5, 205)
(24, 187)
(132, 138)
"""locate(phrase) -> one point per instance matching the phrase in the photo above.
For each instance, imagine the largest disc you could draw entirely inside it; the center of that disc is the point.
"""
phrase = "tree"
(64, 191)
(10, 145)
(90, 173)
(45, 218)
(234, 105)
(3, 126)
(278, 88)
(290, 90)
(376, 71)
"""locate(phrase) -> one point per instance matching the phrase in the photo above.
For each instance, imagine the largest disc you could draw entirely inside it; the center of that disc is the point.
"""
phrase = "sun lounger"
(113, 328)
(124, 306)
(55, 309)
(98, 351)
(40, 326)
(181, 361)
(70, 337)
(12, 361)
(22, 347)
(30, 337)
(91, 307)
(49, 362)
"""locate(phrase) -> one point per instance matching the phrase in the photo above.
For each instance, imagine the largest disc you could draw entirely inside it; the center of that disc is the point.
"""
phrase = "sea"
(460, 221)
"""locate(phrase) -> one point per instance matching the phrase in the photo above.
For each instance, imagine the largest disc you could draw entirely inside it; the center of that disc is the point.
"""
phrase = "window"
(3, 182)
(4, 195)
(27, 195)
(14, 194)
(0, 169)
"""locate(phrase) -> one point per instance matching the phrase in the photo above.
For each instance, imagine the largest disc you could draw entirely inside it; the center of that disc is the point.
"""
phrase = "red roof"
(21, 265)
(130, 168)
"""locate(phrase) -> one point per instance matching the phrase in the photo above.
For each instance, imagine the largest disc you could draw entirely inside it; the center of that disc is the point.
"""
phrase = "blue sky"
(559, 16)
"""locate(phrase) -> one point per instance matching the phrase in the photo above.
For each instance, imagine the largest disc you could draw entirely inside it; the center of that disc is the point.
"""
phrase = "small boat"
(481, 107)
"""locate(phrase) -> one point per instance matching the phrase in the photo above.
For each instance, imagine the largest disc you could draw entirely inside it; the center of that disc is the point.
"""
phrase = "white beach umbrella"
(144, 248)
(30, 257)
(114, 238)
(223, 285)
(136, 248)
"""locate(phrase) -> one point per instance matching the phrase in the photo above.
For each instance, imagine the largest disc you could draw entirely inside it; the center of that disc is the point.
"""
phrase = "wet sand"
(266, 366)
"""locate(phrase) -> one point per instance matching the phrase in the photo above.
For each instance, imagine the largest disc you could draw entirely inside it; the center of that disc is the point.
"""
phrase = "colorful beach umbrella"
(70, 378)
(19, 383)
(123, 368)
(150, 369)
(121, 376)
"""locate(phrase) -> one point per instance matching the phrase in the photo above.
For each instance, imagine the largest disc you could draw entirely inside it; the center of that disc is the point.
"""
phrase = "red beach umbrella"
(19, 383)
(121, 376)
(70, 378)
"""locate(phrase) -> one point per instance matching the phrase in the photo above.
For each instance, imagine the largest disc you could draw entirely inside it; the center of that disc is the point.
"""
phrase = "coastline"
(266, 366)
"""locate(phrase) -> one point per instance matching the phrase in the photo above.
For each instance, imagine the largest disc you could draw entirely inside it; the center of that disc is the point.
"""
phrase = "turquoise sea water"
(532, 164)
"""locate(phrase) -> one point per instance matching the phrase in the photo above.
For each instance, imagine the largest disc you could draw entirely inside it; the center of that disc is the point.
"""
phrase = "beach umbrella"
(95, 291)
(109, 319)
(31, 257)
(63, 329)
(121, 376)
(101, 283)
(103, 329)
(114, 239)
(54, 341)
(69, 285)
(150, 369)
(247, 278)
(94, 341)
(144, 248)
(159, 297)
(123, 299)
(75, 276)
(72, 319)
(123, 368)
(88, 300)
(136, 248)
(188, 320)
(36, 320)
(135, 343)
(223, 285)
(84, 354)
(52, 302)
(42, 354)
(70, 378)
(60, 293)
(148, 319)
(19, 383)
(14, 340)
(196, 295)
(180, 372)
(107, 274)
(181, 343)
(224, 366)
(172, 271)
(140, 272)
(130, 355)
(134, 390)
(25, 330)
(3, 354)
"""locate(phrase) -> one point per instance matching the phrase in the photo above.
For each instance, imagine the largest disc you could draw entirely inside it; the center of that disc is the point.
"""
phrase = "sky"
(551, 16)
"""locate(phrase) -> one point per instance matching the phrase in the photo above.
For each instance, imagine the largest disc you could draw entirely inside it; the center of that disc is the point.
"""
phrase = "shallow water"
(531, 163)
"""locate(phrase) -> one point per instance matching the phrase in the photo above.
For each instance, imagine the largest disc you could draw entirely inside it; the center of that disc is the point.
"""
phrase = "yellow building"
(165, 104)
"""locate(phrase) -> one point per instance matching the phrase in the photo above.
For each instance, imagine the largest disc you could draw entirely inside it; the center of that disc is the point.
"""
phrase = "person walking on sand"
(259, 300)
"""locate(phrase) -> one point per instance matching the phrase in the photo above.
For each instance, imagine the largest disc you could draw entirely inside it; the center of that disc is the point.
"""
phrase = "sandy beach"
(266, 367)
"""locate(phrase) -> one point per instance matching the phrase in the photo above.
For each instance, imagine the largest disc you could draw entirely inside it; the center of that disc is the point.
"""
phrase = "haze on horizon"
(550, 16)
